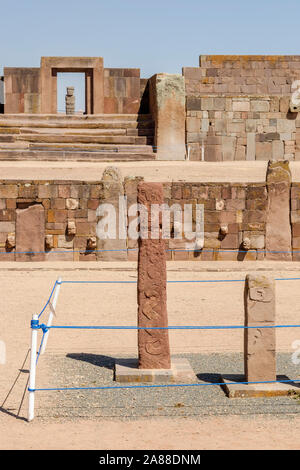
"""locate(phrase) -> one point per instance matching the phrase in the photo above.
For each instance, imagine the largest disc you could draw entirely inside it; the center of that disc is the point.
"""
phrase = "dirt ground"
(24, 292)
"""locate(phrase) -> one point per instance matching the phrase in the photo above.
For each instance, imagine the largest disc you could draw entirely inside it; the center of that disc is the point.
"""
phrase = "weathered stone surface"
(278, 226)
(30, 233)
(153, 345)
(259, 353)
(113, 190)
(71, 227)
(167, 104)
(70, 100)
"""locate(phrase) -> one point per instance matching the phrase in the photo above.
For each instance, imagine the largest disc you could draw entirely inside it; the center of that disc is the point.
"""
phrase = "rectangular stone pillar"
(153, 345)
(113, 247)
(260, 349)
(30, 233)
(167, 106)
(278, 224)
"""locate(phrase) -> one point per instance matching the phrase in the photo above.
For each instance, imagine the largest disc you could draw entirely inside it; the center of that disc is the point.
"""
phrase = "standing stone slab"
(30, 233)
(278, 225)
(153, 345)
(167, 105)
(112, 190)
(259, 353)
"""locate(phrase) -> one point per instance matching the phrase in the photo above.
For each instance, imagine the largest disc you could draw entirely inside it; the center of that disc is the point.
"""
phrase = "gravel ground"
(90, 370)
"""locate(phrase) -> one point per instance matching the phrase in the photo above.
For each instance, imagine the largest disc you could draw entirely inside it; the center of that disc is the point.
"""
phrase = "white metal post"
(34, 333)
(52, 313)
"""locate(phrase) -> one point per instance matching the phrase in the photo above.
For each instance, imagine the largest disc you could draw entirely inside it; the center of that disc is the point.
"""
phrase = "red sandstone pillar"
(153, 345)
(260, 343)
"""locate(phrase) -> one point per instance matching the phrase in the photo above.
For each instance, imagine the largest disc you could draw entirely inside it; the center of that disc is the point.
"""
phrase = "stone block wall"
(70, 218)
(241, 207)
(227, 128)
(22, 90)
(64, 202)
(121, 91)
(238, 108)
(242, 75)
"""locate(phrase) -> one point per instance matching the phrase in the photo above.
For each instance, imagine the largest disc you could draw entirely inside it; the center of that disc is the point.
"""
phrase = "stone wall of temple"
(22, 90)
(121, 91)
(238, 108)
(235, 218)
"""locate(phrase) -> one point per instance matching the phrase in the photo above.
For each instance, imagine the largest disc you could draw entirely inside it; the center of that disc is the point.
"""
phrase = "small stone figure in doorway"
(70, 100)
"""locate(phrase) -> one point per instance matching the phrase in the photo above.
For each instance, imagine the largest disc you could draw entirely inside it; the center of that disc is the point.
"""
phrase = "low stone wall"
(238, 218)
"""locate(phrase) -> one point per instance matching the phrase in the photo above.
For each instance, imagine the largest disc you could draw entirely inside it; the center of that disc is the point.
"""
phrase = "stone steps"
(74, 139)
(77, 146)
(73, 131)
(41, 137)
(90, 121)
(74, 155)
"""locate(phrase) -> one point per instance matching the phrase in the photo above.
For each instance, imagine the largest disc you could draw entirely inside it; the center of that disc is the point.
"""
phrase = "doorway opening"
(76, 80)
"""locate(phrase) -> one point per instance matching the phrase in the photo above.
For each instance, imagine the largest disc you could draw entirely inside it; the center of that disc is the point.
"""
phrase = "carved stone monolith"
(153, 345)
(278, 224)
(70, 100)
(260, 351)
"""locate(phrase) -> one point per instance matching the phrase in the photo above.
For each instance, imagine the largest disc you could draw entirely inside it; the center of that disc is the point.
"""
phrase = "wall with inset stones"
(240, 207)
(238, 108)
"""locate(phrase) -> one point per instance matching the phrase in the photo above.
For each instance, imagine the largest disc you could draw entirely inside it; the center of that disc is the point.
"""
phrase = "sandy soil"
(24, 293)
(211, 433)
(151, 171)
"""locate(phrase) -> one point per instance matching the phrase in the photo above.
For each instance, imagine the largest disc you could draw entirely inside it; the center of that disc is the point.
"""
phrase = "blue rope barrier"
(41, 344)
(45, 328)
(48, 301)
(118, 387)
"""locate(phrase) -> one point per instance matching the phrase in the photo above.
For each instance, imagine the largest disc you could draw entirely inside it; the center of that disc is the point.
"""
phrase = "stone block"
(251, 146)
(278, 227)
(277, 150)
(241, 105)
(8, 191)
(260, 106)
(72, 203)
(30, 233)
(167, 105)
(126, 371)
(263, 150)
(260, 349)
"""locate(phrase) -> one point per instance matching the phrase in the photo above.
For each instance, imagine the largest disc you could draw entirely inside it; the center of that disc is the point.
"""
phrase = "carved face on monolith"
(153, 345)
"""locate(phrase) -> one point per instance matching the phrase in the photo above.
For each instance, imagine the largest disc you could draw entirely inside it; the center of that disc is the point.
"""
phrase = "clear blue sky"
(154, 35)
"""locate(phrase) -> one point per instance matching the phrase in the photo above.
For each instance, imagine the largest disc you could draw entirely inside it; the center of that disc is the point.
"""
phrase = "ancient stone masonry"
(260, 360)
(230, 108)
(112, 193)
(241, 221)
(167, 105)
(238, 108)
(278, 224)
(70, 100)
(30, 233)
(153, 345)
